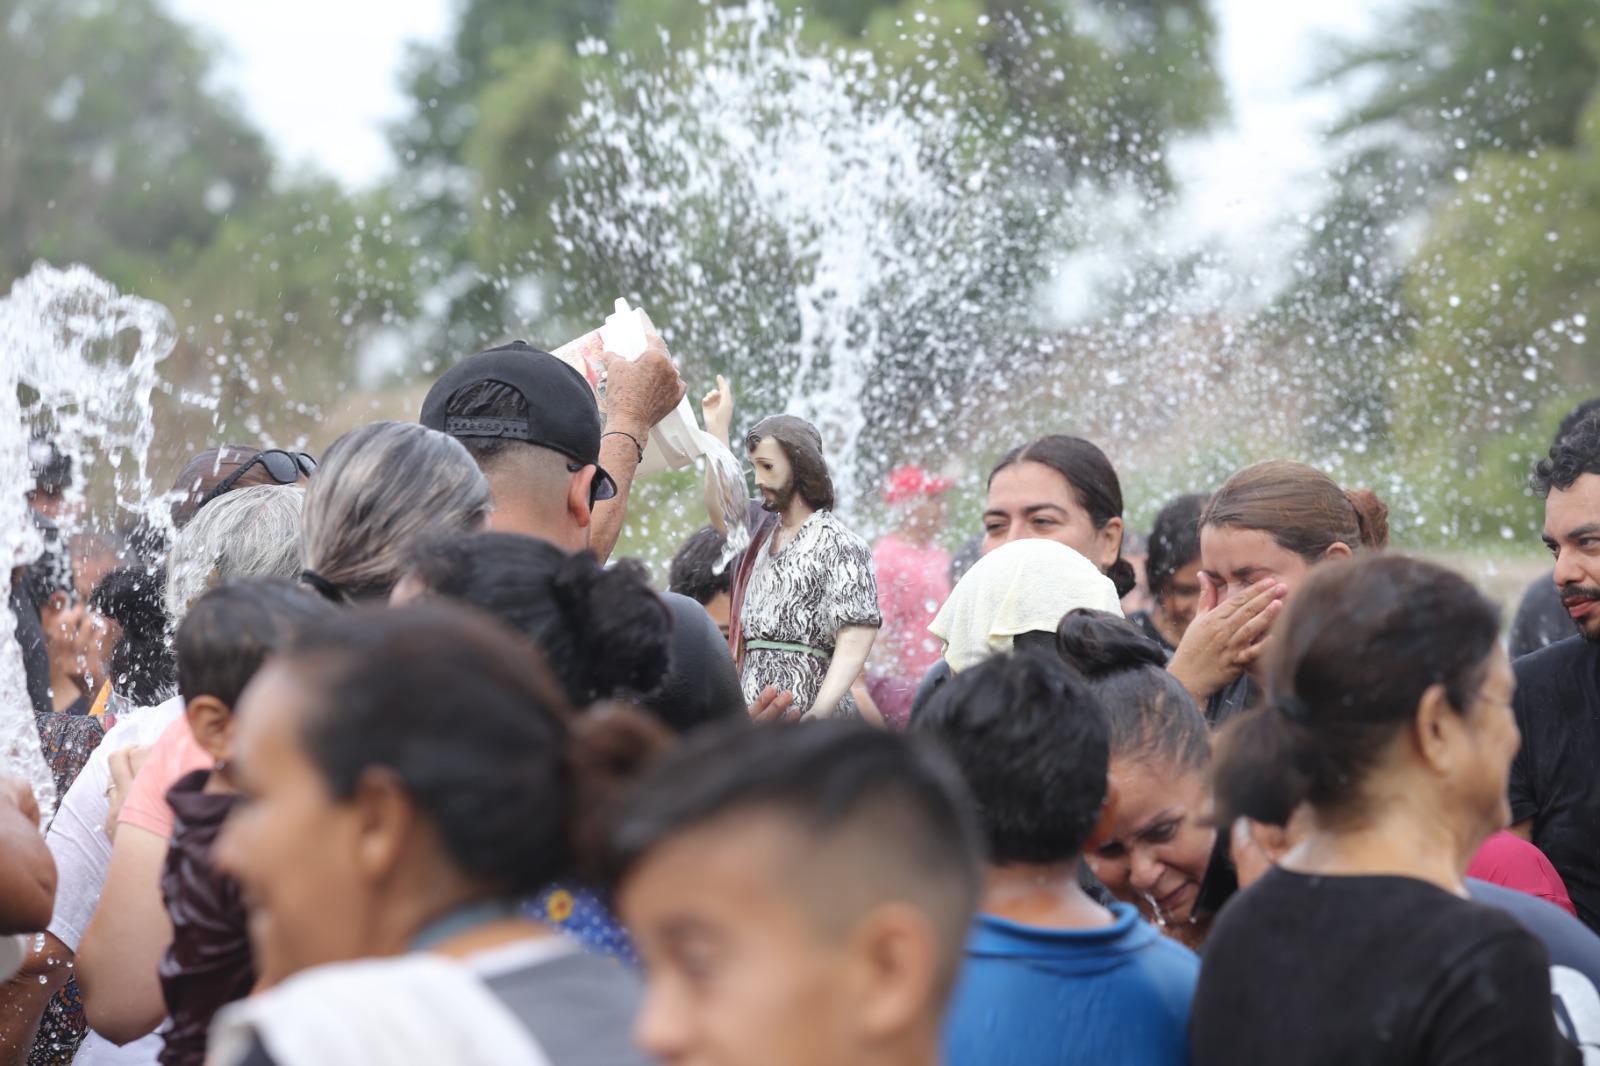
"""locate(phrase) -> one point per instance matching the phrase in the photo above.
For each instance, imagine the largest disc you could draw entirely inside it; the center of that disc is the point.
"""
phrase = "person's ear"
(1337, 550)
(1436, 730)
(578, 496)
(1110, 540)
(384, 822)
(896, 957)
(1108, 818)
(212, 724)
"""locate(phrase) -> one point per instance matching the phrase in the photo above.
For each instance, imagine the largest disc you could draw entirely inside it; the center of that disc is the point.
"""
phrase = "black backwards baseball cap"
(562, 413)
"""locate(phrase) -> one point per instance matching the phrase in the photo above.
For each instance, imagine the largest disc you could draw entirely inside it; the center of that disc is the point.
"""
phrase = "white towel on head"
(1019, 587)
(413, 1010)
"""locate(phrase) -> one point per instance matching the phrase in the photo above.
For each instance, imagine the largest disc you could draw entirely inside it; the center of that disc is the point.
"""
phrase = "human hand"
(18, 793)
(641, 392)
(124, 764)
(1225, 637)
(774, 706)
(717, 409)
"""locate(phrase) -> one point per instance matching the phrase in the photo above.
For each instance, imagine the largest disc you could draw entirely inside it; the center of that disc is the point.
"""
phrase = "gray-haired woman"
(382, 489)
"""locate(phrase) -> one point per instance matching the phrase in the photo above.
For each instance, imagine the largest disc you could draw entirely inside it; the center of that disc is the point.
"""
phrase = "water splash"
(79, 365)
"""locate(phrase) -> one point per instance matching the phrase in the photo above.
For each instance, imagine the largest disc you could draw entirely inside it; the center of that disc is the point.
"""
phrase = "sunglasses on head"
(283, 467)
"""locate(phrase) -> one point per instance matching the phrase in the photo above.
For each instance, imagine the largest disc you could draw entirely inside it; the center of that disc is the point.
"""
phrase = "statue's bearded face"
(774, 475)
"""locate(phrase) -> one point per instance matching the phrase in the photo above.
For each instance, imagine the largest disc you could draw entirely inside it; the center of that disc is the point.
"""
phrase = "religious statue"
(804, 606)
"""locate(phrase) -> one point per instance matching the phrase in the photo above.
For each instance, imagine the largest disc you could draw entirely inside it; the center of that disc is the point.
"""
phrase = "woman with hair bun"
(411, 774)
(1160, 851)
(1260, 535)
(1388, 724)
(1063, 489)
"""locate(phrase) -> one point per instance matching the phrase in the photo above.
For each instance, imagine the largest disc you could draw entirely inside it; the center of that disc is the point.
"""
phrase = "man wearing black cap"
(532, 424)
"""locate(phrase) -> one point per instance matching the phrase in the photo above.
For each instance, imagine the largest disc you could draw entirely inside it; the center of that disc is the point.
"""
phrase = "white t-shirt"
(77, 841)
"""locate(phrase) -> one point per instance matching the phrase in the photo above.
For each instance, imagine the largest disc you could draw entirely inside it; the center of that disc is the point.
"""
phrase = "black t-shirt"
(1370, 971)
(1574, 958)
(1554, 776)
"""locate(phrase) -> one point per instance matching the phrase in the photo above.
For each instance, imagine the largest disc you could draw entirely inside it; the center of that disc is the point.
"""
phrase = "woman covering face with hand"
(1260, 536)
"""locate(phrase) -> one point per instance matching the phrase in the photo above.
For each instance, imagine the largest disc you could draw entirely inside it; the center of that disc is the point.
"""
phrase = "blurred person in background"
(179, 945)
(1260, 536)
(693, 573)
(557, 470)
(1158, 851)
(1172, 569)
(248, 527)
(801, 896)
(1554, 802)
(1012, 599)
(1388, 709)
(1136, 549)
(913, 583)
(1063, 489)
(381, 490)
(1051, 975)
(409, 775)
(1541, 618)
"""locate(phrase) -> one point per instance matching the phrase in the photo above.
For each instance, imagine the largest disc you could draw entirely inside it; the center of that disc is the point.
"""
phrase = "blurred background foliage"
(1451, 279)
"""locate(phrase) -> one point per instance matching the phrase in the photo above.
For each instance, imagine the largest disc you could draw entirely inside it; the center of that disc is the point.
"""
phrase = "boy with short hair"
(1051, 976)
(800, 896)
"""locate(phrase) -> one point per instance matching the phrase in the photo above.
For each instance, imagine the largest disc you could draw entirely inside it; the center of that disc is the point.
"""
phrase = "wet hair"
(1032, 742)
(1151, 715)
(1094, 485)
(142, 667)
(250, 532)
(693, 570)
(802, 445)
(1300, 508)
(464, 716)
(1174, 541)
(1575, 453)
(382, 489)
(1349, 663)
(1585, 410)
(231, 630)
(203, 473)
(603, 630)
(882, 816)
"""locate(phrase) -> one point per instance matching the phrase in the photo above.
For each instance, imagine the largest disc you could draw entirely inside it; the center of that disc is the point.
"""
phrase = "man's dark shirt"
(1555, 777)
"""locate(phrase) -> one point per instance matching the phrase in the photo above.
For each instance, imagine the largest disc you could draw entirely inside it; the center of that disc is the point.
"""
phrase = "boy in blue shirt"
(1051, 976)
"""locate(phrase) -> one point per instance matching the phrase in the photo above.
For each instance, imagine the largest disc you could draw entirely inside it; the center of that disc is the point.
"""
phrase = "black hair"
(230, 630)
(693, 570)
(828, 780)
(603, 629)
(51, 468)
(1350, 661)
(463, 714)
(1578, 414)
(488, 399)
(1174, 541)
(1575, 453)
(1032, 742)
(1094, 485)
(1151, 715)
(142, 667)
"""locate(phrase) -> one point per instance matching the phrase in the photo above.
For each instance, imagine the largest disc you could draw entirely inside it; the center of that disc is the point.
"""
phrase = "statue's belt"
(778, 645)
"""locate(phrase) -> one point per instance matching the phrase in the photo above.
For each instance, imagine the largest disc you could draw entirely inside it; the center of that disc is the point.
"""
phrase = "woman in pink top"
(913, 583)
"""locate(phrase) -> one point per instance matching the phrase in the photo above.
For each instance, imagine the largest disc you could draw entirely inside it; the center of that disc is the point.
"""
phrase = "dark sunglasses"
(601, 488)
(283, 467)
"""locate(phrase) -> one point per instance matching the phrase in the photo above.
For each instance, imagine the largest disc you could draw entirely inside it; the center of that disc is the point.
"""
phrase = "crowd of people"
(382, 759)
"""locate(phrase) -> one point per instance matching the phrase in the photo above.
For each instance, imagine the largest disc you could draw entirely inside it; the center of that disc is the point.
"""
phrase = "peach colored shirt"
(175, 754)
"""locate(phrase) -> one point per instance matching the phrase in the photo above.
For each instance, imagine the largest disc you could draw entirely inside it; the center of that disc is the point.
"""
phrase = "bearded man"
(804, 593)
(1554, 801)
